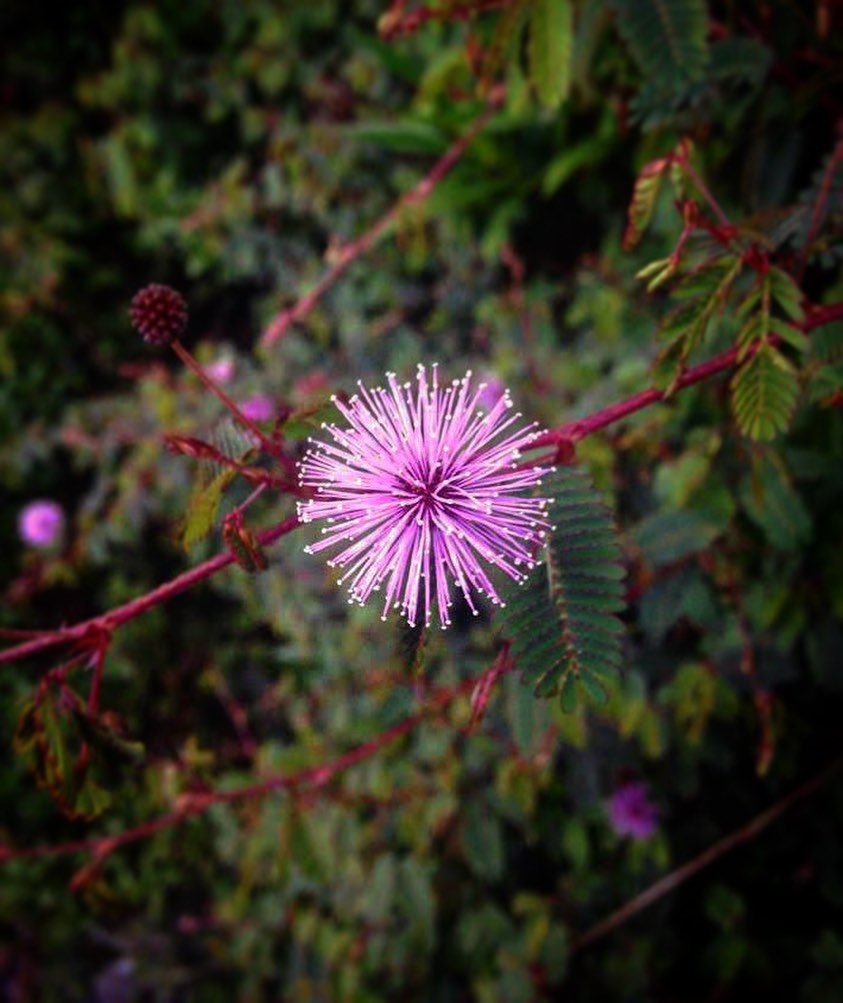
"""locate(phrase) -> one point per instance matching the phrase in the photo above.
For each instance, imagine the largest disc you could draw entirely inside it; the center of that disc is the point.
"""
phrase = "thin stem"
(351, 252)
(571, 432)
(819, 206)
(670, 882)
(121, 614)
(188, 359)
(701, 186)
(311, 778)
(574, 431)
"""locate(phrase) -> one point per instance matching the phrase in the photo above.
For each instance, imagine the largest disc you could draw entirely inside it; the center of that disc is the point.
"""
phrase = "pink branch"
(114, 618)
(574, 431)
(311, 778)
(351, 252)
(570, 433)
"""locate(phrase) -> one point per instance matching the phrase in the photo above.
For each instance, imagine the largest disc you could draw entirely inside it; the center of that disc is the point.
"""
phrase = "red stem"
(128, 611)
(819, 206)
(574, 431)
(571, 432)
(672, 881)
(348, 254)
(311, 778)
(266, 444)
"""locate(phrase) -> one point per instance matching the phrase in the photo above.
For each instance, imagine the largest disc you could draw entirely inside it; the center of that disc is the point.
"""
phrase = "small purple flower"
(631, 813)
(493, 391)
(221, 369)
(41, 523)
(417, 487)
(258, 407)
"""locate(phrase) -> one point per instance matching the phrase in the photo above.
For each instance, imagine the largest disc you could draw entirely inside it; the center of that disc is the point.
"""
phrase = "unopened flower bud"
(159, 314)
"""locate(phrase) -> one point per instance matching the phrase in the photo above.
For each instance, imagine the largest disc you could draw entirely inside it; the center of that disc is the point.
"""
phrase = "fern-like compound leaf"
(667, 38)
(562, 624)
(764, 392)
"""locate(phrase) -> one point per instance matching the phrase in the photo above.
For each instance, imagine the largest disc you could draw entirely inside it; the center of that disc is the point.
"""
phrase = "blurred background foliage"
(232, 150)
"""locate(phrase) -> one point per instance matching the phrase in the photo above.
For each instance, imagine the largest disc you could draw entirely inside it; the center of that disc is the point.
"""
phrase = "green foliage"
(562, 623)
(550, 49)
(233, 151)
(667, 38)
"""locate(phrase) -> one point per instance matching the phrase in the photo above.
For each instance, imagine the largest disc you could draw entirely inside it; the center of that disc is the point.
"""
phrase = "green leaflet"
(550, 50)
(764, 392)
(203, 506)
(640, 212)
(773, 503)
(562, 624)
(667, 39)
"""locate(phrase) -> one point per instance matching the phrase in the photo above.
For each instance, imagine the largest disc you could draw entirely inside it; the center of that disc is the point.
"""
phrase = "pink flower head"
(221, 369)
(40, 523)
(258, 407)
(631, 813)
(419, 489)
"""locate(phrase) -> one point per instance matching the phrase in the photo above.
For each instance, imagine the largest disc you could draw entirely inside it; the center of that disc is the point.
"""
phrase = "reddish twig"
(564, 435)
(351, 252)
(684, 162)
(670, 882)
(266, 444)
(574, 431)
(396, 24)
(128, 611)
(819, 205)
(309, 779)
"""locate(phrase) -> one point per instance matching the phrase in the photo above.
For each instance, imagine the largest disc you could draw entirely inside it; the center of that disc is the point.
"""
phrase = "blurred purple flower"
(258, 407)
(417, 486)
(116, 983)
(221, 369)
(41, 523)
(492, 391)
(631, 813)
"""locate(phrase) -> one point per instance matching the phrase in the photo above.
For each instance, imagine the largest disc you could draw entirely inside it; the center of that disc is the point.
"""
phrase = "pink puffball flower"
(419, 490)
(41, 523)
(258, 407)
(631, 813)
(221, 370)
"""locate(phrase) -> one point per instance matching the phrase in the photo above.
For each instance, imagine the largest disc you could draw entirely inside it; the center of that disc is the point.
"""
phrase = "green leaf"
(562, 622)
(418, 902)
(827, 342)
(400, 137)
(739, 59)
(667, 39)
(641, 206)
(764, 392)
(505, 43)
(786, 293)
(203, 506)
(550, 48)
(826, 382)
(483, 841)
(773, 504)
(669, 537)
